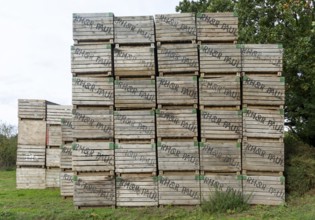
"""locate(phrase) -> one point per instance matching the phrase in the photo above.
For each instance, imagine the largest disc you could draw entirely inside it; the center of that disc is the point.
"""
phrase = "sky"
(36, 36)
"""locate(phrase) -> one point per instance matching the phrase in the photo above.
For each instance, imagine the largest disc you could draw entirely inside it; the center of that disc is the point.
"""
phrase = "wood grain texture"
(66, 156)
(57, 112)
(53, 156)
(54, 135)
(53, 177)
(32, 109)
(30, 155)
(66, 183)
(34, 136)
(30, 178)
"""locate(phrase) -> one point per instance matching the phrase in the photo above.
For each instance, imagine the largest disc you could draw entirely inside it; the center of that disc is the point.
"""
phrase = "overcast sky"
(36, 36)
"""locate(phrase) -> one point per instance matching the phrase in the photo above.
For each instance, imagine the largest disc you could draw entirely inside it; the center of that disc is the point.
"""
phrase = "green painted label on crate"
(113, 146)
(238, 145)
(235, 14)
(201, 144)
(241, 177)
(110, 79)
(75, 178)
(239, 46)
(74, 145)
(282, 79)
(244, 110)
(157, 111)
(245, 78)
(194, 78)
(153, 145)
(199, 15)
(280, 46)
(155, 178)
(196, 144)
(152, 82)
(116, 81)
(199, 177)
(281, 111)
(194, 111)
(282, 180)
(159, 144)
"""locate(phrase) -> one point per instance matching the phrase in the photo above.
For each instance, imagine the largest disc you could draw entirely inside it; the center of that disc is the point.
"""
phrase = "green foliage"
(205, 6)
(8, 146)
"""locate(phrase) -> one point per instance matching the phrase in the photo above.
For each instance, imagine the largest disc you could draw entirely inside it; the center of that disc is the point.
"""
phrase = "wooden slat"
(57, 112)
(30, 155)
(30, 178)
(66, 156)
(32, 132)
(66, 183)
(54, 135)
(53, 156)
(53, 177)
(32, 109)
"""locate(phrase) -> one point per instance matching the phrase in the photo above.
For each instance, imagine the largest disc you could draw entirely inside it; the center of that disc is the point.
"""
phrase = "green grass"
(47, 204)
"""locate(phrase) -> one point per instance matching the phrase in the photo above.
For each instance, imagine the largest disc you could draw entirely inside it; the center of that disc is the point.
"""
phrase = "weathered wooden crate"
(178, 155)
(135, 124)
(66, 156)
(263, 123)
(66, 183)
(220, 90)
(177, 90)
(217, 27)
(30, 178)
(135, 157)
(135, 94)
(54, 135)
(93, 27)
(91, 59)
(178, 58)
(175, 27)
(30, 155)
(266, 189)
(32, 109)
(176, 123)
(262, 58)
(134, 61)
(92, 156)
(67, 129)
(32, 132)
(263, 90)
(220, 155)
(94, 190)
(53, 156)
(96, 90)
(134, 30)
(93, 123)
(224, 123)
(262, 155)
(220, 58)
(179, 188)
(56, 112)
(53, 177)
(221, 182)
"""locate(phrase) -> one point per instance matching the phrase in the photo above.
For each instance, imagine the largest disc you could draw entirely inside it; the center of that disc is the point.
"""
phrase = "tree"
(8, 145)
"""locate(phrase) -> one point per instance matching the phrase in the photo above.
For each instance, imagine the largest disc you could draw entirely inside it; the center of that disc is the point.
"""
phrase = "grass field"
(47, 204)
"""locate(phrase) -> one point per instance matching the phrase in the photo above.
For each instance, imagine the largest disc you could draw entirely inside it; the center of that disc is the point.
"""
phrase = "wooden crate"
(94, 190)
(178, 58)
(66, 183)
(134, 30)
(220, 155)
(224, 123)
(66, 156)
(265, 189)
(53, 177)
(176, 123)
(67, 129)
(262, 90)
(177, 90)
(93, 27)
(134, 61)
(92, 156)
(57, 112)
(220, 90)
(30, 155)
(135, 157)
(32, 109)
(179, 188)
(32, 132)
(54, 135)
(178, 155)
(218, 58)
(93, 123)
(96, 90)
(91, 59)
(262, 58)
(135, 124)
(137, 190)
(263, 123)
(30, 178)
(53, 156)
(135, 94)
(217, 27)
(175, 27)
(263, 155)
(222, 182)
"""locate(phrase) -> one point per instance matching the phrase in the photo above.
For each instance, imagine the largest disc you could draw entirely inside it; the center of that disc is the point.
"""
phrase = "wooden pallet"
(178, 58)
(32, 109)
(54, 135)
(135, 190)
(134, 61)
(91, 59)
(220, 155)
(93, 27)
(218, 58)
(134, 93)
(134, 30)
(177, 91)
(96, 90)
(220, 90)
(34, 136)
(66, 183)
(52, 177)
(56, 112)
(135, 124)
(53, 156)
(66, 156)
(176, 123)
(217, 27)
(175, 27)
(30, 155)
(67, 126)
(30, 178)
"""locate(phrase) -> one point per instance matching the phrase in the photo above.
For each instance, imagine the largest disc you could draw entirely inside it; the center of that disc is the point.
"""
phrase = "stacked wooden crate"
(135, 102)
(177, 99)
(93, 119)
(263, 123)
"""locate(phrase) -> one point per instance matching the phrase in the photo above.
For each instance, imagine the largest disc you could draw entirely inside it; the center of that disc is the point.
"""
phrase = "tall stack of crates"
(135, 103)
(93, 118)
(177, 118)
